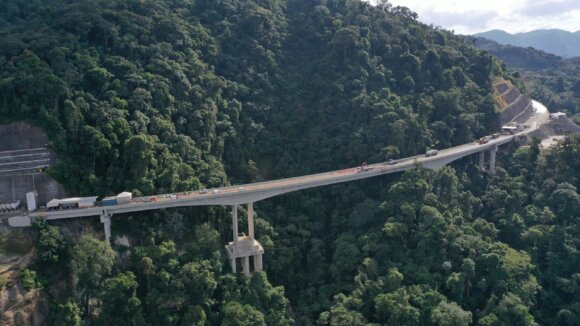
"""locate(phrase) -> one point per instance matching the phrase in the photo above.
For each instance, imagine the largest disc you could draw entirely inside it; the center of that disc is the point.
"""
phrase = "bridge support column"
(492, 153)
(244, 246)
(233, 264)
(246, 265)
(258, 257)
(235, 222)
(481, 161)
(257, 262)
(106, 220)
(251, 220)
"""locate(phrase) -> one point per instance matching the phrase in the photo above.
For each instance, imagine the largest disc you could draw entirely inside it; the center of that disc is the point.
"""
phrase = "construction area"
(24, 158)
(516, 108)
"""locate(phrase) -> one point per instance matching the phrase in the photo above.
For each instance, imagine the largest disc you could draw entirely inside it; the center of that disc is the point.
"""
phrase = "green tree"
(511, 311)
(120, 304)
(395, 308)
(92, 261)
(52, 248)
(450, 314)
(68, 314)
(198, 280)
(236, 314)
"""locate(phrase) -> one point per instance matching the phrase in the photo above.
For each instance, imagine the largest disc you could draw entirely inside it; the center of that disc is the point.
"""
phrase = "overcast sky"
(513, 16)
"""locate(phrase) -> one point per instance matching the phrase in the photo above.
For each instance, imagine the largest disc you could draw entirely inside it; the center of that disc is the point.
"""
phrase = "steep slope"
(511, 103)
(550, 79)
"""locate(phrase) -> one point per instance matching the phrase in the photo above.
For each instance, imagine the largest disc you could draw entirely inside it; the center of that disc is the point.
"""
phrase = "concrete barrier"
(20, 221)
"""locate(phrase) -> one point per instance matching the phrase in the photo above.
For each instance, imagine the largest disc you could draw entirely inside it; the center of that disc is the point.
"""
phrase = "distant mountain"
(520, 58)
(551, 79)
(559, 42)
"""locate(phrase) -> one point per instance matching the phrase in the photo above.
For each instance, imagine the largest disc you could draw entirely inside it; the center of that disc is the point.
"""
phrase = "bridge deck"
(240, 194)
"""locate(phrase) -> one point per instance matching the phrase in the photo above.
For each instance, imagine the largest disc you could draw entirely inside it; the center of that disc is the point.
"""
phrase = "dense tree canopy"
(157, 96)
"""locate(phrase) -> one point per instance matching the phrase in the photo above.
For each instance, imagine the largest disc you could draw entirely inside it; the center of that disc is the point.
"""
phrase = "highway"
(246, 193)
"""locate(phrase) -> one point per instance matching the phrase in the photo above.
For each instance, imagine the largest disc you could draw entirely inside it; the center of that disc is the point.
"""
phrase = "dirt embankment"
(510, 102)
(558, 127)
(516, 107)
(18, 306)
(23, 308)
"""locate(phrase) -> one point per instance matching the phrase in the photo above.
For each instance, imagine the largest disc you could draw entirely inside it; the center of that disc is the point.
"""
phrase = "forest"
(158, 96)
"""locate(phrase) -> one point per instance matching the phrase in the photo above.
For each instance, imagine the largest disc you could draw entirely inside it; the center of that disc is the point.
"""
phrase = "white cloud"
(471, 16)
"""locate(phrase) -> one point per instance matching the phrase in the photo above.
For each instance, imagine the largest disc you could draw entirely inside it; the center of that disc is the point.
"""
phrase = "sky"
(512, 16)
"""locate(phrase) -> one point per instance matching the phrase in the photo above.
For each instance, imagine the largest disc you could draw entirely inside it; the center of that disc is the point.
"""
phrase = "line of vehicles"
(127, 197)
(486, 139)
(480, 141)
(9, 206)
(120, 199)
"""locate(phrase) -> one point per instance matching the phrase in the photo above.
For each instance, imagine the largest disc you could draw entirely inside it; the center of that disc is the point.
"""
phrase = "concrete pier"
(258, 263)
(106, 220)
(492, 153)
(244, 246)
(251, 220)
(235, 223)
(482, 161)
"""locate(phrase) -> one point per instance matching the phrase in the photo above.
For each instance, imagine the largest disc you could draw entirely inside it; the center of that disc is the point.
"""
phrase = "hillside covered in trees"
(553, 80)
(171, 95)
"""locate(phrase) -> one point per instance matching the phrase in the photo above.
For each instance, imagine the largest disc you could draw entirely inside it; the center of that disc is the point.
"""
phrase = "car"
(431, 152)
(364, 167)
(153, 199)
(215, 191)
(485, 140)
(391, 162)
(203, 191)
(241, 188)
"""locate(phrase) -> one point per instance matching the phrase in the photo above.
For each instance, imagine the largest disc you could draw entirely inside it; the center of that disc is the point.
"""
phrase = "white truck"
(31, 201)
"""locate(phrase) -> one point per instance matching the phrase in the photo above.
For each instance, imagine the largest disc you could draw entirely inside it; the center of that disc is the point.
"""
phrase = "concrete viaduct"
(245, 247)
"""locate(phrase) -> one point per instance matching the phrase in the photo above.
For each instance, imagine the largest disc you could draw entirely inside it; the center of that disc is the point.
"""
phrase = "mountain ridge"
(563, 43)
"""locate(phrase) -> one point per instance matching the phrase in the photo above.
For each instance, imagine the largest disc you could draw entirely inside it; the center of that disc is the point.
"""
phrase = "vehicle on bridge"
(391, 162)
(87, 202)
(512, 128)
(71, 203)
(109, 201)
(484, 140)
(431, 152)
(364, 167)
